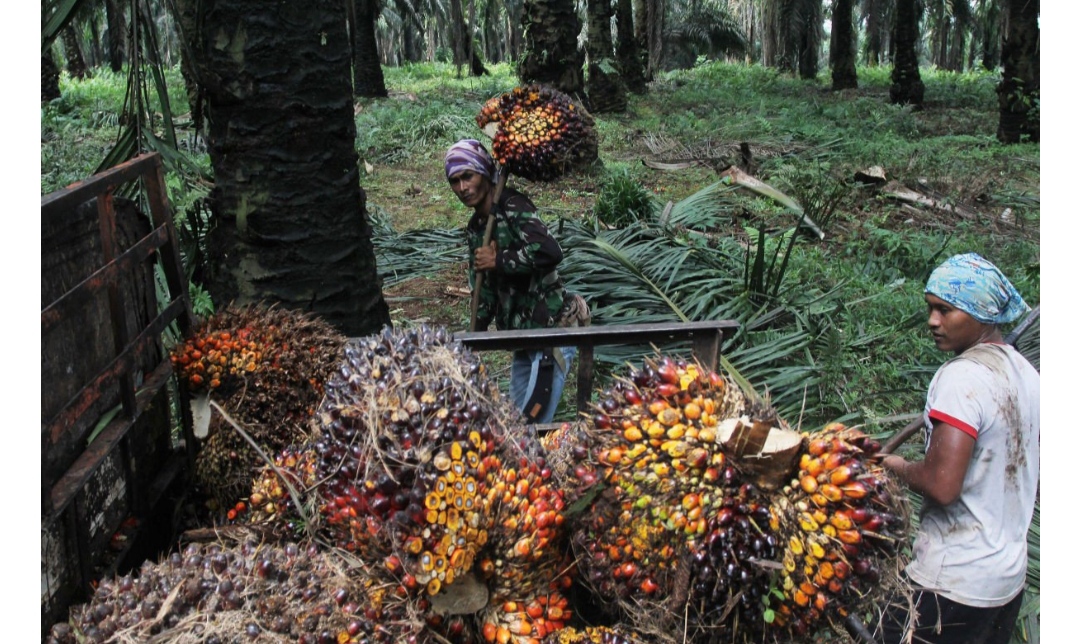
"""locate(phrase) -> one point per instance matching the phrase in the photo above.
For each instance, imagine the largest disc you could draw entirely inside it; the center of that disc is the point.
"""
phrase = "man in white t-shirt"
(980, 474)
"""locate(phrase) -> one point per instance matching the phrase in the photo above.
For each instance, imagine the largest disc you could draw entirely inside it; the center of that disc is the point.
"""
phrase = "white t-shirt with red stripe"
(974, 550)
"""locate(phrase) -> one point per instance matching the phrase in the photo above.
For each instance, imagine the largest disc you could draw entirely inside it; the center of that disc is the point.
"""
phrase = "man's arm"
(940, 475)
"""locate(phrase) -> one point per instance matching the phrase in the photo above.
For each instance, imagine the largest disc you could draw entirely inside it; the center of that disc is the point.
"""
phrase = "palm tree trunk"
(605, 87)
(1018, 92)
(367, 72)
(991, 41)
(76, 65)
(907, 87)
(457, 33)
(655, 28)
(114, 19)
(290, 222)
(410, 49)
(842, 46)
(809, 37)
(551, 53)
(50, 78)
(628, 50)
(515, 47)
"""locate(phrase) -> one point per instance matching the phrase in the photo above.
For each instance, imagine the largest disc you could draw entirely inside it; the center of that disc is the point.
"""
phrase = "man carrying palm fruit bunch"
(980, 475)
(521, 288)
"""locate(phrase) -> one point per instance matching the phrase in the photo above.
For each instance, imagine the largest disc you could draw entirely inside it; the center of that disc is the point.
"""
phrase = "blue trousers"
(523, 380)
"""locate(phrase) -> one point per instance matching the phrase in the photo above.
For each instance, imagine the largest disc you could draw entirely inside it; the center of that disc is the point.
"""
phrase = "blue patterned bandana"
(977, 287)
(469, 154)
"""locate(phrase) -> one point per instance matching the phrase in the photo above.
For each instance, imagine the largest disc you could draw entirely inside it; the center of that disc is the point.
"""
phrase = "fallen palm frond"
(403, 256)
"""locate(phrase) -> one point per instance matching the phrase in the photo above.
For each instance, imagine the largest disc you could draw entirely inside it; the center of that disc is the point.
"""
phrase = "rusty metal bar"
(707, 349)
(584, 376)
(81, 293)
(66, 199)
(595, 335)
(89, 394)
(80, 471)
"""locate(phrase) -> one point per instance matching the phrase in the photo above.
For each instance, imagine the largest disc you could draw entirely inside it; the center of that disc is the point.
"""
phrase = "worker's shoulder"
(514, 201)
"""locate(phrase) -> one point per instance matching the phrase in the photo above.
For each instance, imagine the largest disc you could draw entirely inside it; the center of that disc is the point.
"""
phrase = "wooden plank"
(68, 198)
(78, 297)
(123, 362)
(80, 471)
(107, 225)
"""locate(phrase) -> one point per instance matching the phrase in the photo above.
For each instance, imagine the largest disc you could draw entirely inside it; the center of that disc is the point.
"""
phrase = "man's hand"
(485, 257)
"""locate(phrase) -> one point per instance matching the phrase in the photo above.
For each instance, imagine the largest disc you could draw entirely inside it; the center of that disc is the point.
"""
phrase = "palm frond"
(403, 256)
(55, 16)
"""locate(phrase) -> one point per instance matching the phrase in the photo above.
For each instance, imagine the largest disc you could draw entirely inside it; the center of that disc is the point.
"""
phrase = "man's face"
(953, 330)
(470, 187)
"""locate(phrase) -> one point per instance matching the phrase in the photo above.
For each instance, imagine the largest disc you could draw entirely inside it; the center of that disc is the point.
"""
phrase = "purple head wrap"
(977, 287)
(469, 154)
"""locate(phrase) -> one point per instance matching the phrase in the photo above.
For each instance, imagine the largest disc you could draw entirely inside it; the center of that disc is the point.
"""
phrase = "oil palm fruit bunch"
(665, 476)
(840, 522)
(218, 593)
(428, 475)
(684, 530)
(407, 436)
(538, 132)
(591, 635)
(568, 452)
(266, 367)
(278, 492)
(525, 563)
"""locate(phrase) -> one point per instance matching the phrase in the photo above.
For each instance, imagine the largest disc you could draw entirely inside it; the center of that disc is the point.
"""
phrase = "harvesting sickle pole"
(504, 173)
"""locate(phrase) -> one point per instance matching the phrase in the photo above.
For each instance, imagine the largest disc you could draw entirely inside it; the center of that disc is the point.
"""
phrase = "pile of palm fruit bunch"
(266, 367)
(419, 469)
(702, 524)
(592, 635)
(842, 522)
(525, 564)
(538, 132)
(246, 591)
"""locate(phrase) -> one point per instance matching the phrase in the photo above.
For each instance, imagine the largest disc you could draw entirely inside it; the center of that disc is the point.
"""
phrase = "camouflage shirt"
(524, 291)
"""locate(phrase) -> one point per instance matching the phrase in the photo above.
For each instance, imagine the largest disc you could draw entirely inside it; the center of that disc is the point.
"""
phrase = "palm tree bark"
(842, 46)
(776, 42)
(76, 64)
(367, 72)
(605, 87)
(907, 87)
(457, 32)
(991, 35)
(876, 15)
(628, 49)
(410, 26)
(1018, 91)
(50, 78)
(290, 222)
(809, 37)
(551, 52)
(655, 31)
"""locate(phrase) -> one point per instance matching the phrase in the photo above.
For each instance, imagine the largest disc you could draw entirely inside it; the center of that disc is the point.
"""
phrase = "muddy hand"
(485, 257)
